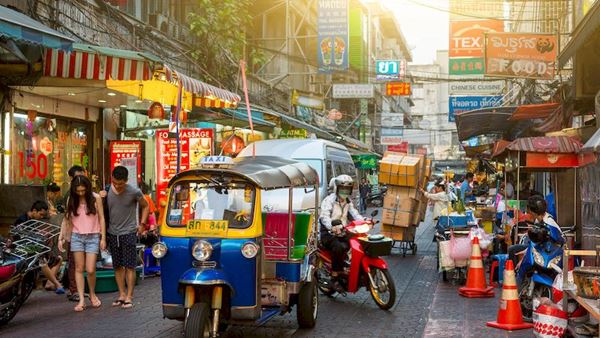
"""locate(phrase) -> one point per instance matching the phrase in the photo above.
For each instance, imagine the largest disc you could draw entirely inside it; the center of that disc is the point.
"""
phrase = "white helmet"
(342, 181)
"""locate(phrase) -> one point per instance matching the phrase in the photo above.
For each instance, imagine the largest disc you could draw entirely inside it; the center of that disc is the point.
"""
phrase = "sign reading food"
(521, 55)
(332, 35)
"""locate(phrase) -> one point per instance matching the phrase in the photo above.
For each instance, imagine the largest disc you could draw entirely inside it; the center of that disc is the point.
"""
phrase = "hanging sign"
(397, 89)
(332, 31)
(390, 70)
(120, 150)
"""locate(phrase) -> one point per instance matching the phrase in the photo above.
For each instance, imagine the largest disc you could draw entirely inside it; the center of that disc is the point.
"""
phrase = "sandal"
(60, 291)
(97, 303)
(118, 302)
(79, 308)
(127, 305)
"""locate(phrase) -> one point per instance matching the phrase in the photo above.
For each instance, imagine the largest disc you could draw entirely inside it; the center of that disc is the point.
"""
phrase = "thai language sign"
(467, 37)
(120, 151)
(353, 91)
(459, 104)
(391, 135)
(390, 70)
(332, 35)
(521, 55)
(397, 89)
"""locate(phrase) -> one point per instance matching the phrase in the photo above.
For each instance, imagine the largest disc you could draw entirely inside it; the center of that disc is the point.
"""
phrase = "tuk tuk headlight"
(538, 258)
(159, 250)
(202, 250)
(250, 249)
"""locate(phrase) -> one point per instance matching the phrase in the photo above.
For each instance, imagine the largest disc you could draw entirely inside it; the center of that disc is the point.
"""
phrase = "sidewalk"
(452, 315)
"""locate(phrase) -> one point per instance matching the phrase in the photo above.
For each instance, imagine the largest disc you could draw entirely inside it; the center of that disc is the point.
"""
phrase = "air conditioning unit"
(159, 22)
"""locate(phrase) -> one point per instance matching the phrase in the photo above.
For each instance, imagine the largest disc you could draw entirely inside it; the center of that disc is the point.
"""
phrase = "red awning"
(534, 111)
(97, 63)
(500, 147)
(546, 144)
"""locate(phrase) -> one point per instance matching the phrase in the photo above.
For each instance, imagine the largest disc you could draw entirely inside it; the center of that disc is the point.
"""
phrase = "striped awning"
(205, 95)
(546, 144)
(98, 63)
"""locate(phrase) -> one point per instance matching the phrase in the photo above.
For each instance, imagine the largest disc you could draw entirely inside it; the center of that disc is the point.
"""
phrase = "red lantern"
(156, 111)
(232, 145)
(182, 115)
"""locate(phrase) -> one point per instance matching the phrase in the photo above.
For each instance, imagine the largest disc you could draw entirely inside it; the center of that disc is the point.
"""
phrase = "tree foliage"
(221, 26)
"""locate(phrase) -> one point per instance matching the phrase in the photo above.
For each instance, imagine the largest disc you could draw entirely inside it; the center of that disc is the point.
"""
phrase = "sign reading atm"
(397, 89)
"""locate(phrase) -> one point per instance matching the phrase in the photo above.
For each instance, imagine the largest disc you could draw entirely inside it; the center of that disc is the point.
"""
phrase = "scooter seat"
(7, 271)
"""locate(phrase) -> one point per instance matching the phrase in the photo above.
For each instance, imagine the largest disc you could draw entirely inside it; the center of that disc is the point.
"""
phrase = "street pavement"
(425, 307)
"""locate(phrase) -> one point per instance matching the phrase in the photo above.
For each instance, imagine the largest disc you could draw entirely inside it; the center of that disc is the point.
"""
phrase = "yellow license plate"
(206, 228)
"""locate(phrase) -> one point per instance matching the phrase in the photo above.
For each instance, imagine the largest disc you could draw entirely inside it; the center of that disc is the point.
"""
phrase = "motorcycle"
(375, 199)
(539, 267)
(365, 267)
(20, 264)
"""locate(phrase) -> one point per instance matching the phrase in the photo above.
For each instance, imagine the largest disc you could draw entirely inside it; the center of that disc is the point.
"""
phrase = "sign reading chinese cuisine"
(521, 55)
(397, 89)
(390, 70)
(332, 51)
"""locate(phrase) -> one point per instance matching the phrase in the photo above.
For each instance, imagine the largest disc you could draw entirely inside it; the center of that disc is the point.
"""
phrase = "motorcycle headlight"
(159, 250)
(556, 261)
(202, 250)
(538, 258)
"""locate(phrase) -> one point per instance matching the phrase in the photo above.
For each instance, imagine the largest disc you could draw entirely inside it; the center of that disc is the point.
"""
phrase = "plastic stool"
(498, 262)
(151, 266)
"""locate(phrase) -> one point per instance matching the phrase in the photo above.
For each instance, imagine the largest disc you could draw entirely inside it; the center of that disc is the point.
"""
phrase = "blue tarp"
(21, 28)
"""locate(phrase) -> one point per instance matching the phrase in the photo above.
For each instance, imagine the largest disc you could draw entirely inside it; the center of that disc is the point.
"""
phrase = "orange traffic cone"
(509, 315)
(476, 286)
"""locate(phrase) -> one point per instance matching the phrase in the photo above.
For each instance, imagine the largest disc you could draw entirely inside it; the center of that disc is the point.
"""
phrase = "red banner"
(126, 150)
(399, 148)
(195, 143)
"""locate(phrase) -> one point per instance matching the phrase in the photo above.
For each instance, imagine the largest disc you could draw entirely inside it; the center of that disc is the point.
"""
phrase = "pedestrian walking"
(87, 230)
(72, 294)
(364, 191)
(122, 200)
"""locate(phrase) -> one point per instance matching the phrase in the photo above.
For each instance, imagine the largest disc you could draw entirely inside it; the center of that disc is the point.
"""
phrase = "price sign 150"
(38, 167)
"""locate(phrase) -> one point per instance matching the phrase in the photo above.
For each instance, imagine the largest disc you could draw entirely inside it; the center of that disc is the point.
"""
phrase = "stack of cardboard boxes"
(404, 205)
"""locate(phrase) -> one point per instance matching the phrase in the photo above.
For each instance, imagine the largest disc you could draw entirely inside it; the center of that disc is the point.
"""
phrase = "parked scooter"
(539, 267)
(366, 267)
(375, 199)
(20, 264)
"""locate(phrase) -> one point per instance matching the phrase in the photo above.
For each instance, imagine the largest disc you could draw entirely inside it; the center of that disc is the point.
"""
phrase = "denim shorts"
(89, 243)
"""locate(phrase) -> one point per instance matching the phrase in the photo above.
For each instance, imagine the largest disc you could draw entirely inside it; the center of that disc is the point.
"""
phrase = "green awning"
(232, 117)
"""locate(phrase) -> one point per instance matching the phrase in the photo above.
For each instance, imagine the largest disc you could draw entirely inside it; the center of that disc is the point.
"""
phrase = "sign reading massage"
(459, 104)
(521, 55)
(332, 35)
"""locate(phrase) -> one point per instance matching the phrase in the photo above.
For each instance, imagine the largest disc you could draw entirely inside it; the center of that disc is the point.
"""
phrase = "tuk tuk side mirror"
(374, 213)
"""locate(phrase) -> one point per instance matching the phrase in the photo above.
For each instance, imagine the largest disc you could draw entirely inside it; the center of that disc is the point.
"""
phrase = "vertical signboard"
(195, 144)
(521, 55)
(120, 151)
(459, 104)
(332, 39)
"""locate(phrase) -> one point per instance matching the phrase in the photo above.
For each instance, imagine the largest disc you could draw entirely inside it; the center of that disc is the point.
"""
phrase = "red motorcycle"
(365, 268)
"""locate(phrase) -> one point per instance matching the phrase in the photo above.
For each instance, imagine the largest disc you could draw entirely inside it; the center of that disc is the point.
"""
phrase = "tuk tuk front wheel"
(308, 305)
(197, 323)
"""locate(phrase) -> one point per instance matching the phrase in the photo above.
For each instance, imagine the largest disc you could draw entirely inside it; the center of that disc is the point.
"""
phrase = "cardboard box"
(397, 217)
(403, 192)
(389, 164)
(399, 202)
(399, 233)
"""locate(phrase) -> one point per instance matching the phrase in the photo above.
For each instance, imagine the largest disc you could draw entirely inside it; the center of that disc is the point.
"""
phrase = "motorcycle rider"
(337, 208)
(536, 206)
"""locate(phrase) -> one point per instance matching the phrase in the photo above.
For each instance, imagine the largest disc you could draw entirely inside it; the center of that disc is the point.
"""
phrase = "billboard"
(392, 119)
(475, 87)
(391, 135)
(353, 91)
(397, 89)
(466, 37)
(459, 104)
(390, 69)
(332, 34)
(521, 55)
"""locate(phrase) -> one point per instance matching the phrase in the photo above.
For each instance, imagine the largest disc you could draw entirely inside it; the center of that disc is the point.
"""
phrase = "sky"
(425, 28)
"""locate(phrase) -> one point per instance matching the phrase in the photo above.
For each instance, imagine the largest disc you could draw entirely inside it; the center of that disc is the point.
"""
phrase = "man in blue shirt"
(466, 192)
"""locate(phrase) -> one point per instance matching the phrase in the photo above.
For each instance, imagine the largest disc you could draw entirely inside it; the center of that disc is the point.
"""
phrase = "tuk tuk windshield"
(211, 200)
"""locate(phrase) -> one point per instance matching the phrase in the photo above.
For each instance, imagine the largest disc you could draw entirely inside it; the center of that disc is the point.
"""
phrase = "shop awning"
(584, 30)
(21, 28)
(484, 121)
(365, 161)
(546, 144)
(205, 95)
(534, 111)
(593, 144)
(233, 117)
(99, 63)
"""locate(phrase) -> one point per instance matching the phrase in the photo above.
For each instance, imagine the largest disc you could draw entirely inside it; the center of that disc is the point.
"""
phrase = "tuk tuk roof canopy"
(267, 172)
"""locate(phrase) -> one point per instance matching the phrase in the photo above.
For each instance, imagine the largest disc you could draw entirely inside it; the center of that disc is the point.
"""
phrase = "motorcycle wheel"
(9, 312)
(197, 323)
(384, 290)
(526, 302)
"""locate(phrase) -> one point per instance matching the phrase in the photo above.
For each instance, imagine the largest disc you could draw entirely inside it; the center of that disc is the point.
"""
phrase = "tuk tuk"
(227, 259)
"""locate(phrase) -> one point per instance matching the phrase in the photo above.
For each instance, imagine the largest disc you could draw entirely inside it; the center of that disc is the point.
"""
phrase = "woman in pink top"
(88, 235)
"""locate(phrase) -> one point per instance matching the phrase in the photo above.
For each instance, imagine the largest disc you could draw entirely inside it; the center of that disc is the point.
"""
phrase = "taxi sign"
(216, 160)
(207, 228)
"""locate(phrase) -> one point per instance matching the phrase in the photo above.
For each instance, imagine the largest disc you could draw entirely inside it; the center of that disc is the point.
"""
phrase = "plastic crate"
(105, 280)
(453, 221)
